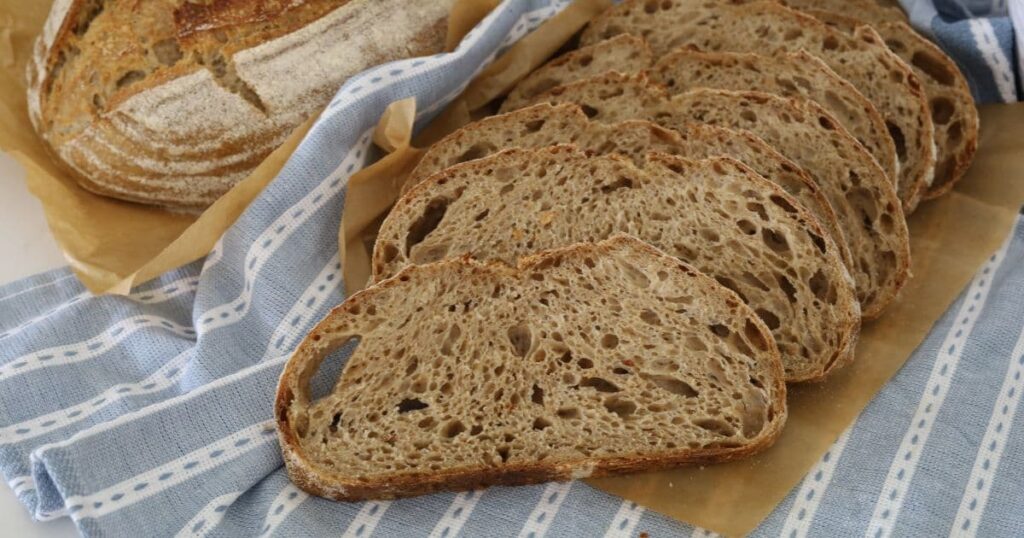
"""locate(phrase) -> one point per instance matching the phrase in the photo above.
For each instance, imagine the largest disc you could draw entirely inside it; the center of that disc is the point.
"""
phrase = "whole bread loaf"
(954, 112)
(714, 214)
(585, 361)
(764, 26)
(862, 196)
(171, 102)
(546, 125)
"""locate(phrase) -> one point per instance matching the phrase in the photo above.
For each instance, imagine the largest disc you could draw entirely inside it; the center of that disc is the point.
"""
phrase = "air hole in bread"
(827, 123)
(599, 384)
(389, 252)
(537, 396)
(897, 137)
(719, 330)
(746, 226)
(622, 407)
(783, 203)
(650, 317)
(476, 151)
(822, 288)
(942, 110)
(426, 223)
(651, 6)
(568, 413)
(792, 34)
(520, 338)
(453, 428)
(585, 363)
(335, 421)
(609, 341)
(411, 404)
(534, 126)
(768, 317)
(759, 209)
(787, 287)
(863, 201)
(620, 183)
(167, 51)
(933, 67)
(818, 241)
(716, 426)
(749, 116)
(89, 10)
(728, 283)
(129, 78)
(541, 423)
(673, 385)
(775, 240)
(590, 111)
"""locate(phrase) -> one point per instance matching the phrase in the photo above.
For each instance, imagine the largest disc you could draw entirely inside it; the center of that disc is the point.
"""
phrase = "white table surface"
(26, 248)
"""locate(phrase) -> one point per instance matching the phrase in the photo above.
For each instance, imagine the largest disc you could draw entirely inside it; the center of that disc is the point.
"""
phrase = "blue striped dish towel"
(152, 412)
(984, 37)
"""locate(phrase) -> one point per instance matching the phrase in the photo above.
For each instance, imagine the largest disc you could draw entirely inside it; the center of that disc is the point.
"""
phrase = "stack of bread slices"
(623, 268)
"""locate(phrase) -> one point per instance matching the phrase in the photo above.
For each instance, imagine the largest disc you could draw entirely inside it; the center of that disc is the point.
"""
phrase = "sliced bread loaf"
(861, 195)
(715, 214)
(765, 27)
(949, 97)
(546, 125)
(585, 361)
(796, 74)
(623, 53)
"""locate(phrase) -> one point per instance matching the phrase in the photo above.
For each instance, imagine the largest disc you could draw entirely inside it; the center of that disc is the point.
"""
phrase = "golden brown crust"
(195, 95)
(293, 393)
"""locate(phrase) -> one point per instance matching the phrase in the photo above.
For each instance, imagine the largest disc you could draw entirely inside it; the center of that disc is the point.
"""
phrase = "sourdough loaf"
(714, 214)
(546, 125)
(763, 27)
(863, 198)
(171, 102)
(949, 97)
(468, 375)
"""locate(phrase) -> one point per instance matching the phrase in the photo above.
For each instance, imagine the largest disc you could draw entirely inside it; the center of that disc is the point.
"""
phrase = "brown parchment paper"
(951, 237)
(113, 245)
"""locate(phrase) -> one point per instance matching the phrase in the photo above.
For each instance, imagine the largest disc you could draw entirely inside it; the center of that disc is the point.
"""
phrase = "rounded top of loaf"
(173, 101)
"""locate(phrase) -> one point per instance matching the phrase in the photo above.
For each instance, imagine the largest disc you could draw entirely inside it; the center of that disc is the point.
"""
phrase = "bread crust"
(954, 112)
(197, 95)
(293, 397)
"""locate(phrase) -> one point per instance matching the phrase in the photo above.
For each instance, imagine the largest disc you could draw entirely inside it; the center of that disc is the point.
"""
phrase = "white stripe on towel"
(979, 485)
(547, 507)
(159, 479)
(812, 490)
(901, 470)
(625, 520)
(366, 520)
(166, 376)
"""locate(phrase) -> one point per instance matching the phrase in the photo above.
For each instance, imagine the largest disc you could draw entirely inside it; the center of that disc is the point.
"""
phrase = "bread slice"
(589, 360)
(766, 27)
(952, 106)
(796, 74)
(861, 195)
(545, 125)
(624, 53)
(715, 214)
